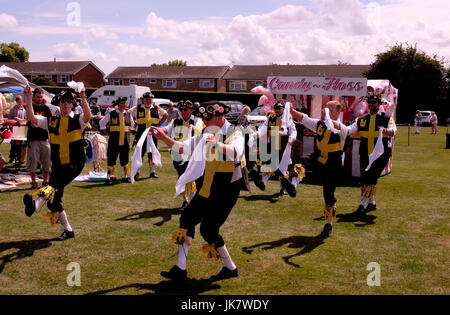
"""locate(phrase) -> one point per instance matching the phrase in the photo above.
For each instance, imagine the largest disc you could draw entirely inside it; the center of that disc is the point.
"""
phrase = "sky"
(231, 32)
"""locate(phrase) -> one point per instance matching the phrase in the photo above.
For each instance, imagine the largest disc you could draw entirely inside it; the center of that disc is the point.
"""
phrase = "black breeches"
(329, 174)
(60, 177)
(180, 168)
(116, 150)
(370, 177)
(211, 213)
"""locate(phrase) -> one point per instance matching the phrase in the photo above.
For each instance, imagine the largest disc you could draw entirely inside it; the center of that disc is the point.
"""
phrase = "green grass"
(123, 236)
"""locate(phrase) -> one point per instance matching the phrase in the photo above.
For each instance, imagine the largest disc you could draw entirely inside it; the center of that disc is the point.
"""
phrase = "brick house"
(190, 78)
(61, 72)
(244, 78)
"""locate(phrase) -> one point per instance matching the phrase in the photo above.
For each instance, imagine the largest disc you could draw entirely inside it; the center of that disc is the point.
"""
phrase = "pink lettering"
(328, 84)
(273, 82)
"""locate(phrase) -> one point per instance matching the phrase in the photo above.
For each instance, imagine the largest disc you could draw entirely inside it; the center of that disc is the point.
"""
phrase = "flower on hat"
(221, 110)
(201, 110)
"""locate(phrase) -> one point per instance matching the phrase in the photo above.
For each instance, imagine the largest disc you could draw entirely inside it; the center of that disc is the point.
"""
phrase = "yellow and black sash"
(328, 144)
(276, 122)
(66, 140)
(217, 165)
(146, 117)
(119, 127)
(180, 127)
(369, 131)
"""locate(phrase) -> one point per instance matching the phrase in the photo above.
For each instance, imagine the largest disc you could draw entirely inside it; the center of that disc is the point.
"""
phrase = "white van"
(107, 94)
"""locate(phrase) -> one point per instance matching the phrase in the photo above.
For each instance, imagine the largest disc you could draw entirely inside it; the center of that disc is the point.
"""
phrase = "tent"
(310, 95)
(12, 83)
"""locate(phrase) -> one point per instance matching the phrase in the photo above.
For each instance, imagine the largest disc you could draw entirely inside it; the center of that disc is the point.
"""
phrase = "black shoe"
(175, 273)
(370, 207)
(225, 273)
(327, 230)
(289, 187)
(30, 205)
(184, 205)
(136, 177)
(360, 210)
(153, 175)
(44, 184)
(34, 185)
(283, 191)
(125, 180)
(259, 183)
(66, 235)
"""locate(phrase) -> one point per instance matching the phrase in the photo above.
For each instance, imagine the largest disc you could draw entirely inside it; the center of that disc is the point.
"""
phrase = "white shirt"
(106, 119)
(353, 128)
(42, 121)
(311, 123)
(198, 124)
(237, 141)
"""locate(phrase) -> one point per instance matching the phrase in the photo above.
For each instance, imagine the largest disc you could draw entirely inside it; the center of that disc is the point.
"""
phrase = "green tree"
(418, 77)
(173, 63)
(12, 52)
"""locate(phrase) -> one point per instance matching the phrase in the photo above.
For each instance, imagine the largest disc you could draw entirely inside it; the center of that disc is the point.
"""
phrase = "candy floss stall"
(310, 95)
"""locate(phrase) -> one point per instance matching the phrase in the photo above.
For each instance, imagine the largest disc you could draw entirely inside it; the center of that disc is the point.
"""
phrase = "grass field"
(123, 236)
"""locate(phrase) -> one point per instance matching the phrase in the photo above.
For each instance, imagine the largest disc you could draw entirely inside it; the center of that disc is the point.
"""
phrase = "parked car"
(233, 114)
(426, 115)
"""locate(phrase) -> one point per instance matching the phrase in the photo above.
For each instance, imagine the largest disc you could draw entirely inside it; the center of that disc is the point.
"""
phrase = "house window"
(207, 83)
(189, 81)
(63, 78)
(152, 81)
(117, 82)
(259, 82)
(238, 85)
(169, 83)
(109, 93)
(132, 81)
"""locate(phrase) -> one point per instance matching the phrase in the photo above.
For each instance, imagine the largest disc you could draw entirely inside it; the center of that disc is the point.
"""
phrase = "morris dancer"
(279, 123)
(146, 115)
(371, 126)
(67, 155)
(327, 157)
(182, 129)
(117, 124)
(217, 167)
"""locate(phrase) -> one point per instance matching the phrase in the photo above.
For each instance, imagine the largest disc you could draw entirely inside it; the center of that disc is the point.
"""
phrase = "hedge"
(249, 99)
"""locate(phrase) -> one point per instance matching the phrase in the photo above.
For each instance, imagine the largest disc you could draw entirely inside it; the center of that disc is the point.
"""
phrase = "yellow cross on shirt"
(64, 138)
(324, 147)
(122, 128)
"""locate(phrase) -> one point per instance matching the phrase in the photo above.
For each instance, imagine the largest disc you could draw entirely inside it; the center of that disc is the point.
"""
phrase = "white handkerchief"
(77, 86)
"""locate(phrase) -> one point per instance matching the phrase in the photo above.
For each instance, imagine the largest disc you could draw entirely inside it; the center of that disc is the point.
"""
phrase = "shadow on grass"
(168, 287)
(271, 198)
(164, 213)
(342, 182)
(307, 243)
(359, 220)
(24, 249)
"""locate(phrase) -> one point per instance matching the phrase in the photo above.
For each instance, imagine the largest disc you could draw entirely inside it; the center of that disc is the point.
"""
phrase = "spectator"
(434, 123)
(96, 116)
(417, 121)
(37, 141)
(172, 113)
(18, 147)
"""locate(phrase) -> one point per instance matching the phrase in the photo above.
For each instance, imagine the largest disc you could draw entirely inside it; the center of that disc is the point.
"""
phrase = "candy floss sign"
(318, 85)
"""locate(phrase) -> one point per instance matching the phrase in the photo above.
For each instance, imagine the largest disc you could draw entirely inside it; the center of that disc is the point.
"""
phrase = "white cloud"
(7, 21)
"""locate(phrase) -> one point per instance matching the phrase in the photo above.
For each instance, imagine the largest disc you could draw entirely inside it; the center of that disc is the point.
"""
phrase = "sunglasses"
(184, 109)
(371, 102)
(208, 118)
